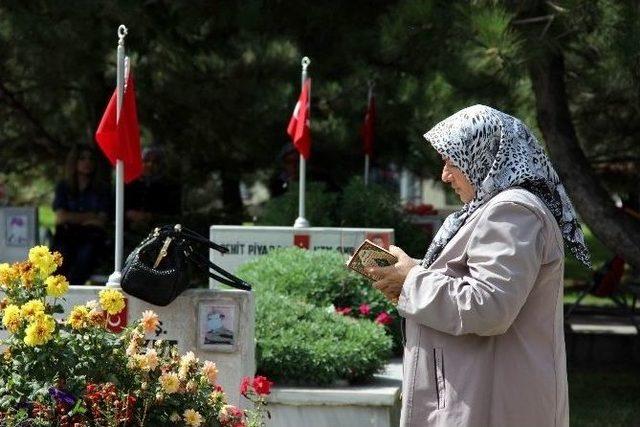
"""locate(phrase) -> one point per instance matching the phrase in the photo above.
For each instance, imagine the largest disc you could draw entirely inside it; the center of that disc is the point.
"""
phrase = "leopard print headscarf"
(495, 152)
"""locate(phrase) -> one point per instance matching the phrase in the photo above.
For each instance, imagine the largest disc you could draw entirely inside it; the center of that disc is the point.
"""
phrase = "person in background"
(484, 308)
(81, 205)
(151, 200)
(287, 172)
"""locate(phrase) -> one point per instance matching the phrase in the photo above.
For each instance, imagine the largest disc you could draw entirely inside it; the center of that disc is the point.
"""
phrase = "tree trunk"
(617, 230)
(231, 198)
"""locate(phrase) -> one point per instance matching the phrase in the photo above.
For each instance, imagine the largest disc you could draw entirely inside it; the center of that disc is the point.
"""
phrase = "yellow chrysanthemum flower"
(148, 361)
(57, 258)
(169, 382)
(27, 273)
(192, 418)
(8, 275)
(111, 301)
(32, 309)
(79, 317)
(12, 318)
(56, 286)
(43, 259)
(40, 331)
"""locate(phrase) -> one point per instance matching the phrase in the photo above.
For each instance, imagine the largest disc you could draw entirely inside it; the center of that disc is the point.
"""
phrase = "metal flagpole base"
(114, 280)
(301, 223)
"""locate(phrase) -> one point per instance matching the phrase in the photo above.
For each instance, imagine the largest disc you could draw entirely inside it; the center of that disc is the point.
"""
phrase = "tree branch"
(48, 141)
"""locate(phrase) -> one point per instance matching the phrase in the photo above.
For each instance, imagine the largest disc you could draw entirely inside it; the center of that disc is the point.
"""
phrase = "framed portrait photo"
(217, 326)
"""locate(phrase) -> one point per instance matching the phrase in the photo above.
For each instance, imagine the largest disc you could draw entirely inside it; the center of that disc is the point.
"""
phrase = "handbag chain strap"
(176, 232)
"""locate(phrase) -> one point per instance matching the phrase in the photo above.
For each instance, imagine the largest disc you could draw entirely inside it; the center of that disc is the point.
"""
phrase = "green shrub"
(299, 343)
(319, 278)
(320, 206)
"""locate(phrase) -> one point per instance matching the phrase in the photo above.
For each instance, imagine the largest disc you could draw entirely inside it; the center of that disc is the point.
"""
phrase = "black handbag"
(156, 270)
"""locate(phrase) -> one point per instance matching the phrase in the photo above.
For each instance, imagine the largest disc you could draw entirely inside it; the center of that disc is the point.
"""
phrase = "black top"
(87, 200)
(153, 196)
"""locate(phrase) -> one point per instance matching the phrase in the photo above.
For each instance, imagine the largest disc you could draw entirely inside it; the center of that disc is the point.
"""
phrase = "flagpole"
(366, 155)
(366, 170)
(114, 278)
(301, 221)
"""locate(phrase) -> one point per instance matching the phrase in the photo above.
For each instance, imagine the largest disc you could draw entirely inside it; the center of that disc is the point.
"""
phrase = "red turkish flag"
(120, 139)
(367, 130)
(298, 128)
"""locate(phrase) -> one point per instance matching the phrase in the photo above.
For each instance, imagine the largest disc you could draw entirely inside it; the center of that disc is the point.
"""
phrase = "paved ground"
(602, 323)
(393, 370)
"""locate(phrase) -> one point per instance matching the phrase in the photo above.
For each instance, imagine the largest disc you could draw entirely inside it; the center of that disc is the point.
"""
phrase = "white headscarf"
(496, 151)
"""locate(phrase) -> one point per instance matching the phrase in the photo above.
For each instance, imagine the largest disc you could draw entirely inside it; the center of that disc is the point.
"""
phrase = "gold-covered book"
(369, 254)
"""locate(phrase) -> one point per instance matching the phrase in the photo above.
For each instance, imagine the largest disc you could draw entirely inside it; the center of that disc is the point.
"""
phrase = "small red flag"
(120, 139)
(367, 130)
(298, 128)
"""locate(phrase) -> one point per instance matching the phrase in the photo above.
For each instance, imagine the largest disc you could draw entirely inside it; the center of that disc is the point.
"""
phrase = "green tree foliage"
(217, 81)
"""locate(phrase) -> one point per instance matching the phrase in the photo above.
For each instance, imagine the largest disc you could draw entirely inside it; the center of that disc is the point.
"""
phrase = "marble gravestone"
(18, 233)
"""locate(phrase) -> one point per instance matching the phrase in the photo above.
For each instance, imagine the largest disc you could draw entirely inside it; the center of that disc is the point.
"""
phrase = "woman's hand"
(393, 276)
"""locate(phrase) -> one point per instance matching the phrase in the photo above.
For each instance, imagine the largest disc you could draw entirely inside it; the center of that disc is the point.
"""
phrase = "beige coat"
(484, 323)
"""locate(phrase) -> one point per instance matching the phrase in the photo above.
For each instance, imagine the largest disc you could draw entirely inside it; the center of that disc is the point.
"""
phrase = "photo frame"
(218, 326)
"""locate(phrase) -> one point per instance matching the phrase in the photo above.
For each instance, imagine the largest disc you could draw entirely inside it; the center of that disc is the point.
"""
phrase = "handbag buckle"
(163, 251)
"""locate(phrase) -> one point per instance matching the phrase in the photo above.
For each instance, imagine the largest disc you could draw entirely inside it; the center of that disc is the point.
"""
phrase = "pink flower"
(150, 321)
(384, 318)
(245, 386)
(365, 309)
(343, 310)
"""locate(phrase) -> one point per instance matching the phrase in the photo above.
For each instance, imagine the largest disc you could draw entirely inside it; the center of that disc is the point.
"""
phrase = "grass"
(590, 300)
(605, 397)
(46, 216)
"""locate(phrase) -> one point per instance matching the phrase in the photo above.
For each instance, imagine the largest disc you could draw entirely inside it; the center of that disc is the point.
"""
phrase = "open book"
(369, 254)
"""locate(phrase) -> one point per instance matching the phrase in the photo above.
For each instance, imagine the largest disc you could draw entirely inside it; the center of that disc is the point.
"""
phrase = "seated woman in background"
(81, 206)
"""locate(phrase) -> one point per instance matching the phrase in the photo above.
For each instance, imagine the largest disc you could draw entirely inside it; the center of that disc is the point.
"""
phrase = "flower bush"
(77, 373)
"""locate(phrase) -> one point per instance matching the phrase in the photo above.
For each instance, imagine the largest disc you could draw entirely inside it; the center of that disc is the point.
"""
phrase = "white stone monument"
(248, 242)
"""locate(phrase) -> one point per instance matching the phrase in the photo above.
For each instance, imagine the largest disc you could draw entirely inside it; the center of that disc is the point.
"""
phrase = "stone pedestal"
(374, 405)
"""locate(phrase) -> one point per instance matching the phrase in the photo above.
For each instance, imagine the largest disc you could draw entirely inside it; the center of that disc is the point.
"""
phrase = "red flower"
(262, 385)
(365, 310)
(384, 318)
(343, 310)
(245, 386)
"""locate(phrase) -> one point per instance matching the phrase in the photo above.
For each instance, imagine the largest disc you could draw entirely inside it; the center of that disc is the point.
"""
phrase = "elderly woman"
(483, 310)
